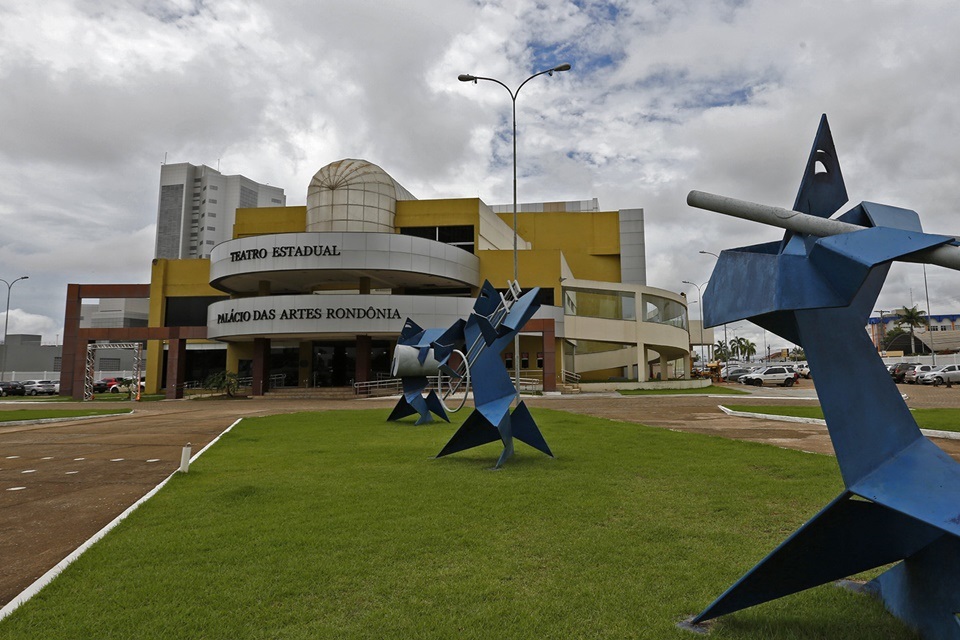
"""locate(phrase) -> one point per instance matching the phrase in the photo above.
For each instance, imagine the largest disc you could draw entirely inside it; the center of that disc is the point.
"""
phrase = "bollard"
(185, 459)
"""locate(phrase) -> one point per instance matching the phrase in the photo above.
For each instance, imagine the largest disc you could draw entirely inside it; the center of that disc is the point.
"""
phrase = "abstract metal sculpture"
(420, 353)
(816, 288)
(414, 359)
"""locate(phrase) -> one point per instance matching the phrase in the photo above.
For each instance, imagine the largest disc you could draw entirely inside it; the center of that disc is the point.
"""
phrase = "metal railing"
(569, 377)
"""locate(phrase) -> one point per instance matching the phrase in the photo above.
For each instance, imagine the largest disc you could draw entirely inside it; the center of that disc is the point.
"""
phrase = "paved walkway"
(62, 482)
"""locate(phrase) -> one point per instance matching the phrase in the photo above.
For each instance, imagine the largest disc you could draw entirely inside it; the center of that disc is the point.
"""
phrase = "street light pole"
(726, 345)
(6, 323)
(700, 300)
(466, 77)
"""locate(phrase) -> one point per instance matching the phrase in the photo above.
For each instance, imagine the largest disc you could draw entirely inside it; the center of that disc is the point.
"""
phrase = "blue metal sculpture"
(492, 325)
(416, 358)
(817, 288)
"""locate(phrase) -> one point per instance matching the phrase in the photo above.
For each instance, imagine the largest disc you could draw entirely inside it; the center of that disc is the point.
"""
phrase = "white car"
(780, 375)
(947, 373)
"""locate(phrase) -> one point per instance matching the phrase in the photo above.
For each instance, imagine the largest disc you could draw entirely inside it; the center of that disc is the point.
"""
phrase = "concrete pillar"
(549, 356)
(176, 367)
(364, 353)
(305, 368)
(71, 384)
(261, 366)
(642, 368)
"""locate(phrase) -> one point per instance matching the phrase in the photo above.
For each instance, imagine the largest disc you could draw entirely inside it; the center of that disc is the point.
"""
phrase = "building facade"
(196, 207)
(316, 295)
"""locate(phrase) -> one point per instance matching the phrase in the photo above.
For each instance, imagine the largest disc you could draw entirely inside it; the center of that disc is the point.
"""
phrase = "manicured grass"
(711, 390)
(45, 414)
(938, 419)
(340, 525)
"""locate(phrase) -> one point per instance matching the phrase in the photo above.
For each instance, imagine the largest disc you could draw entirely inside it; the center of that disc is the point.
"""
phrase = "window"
(110, 364)
(57, 361)
(213, 201)
(524, 360)
(212, 214)
(508, 360)
(211, 228)
(214, 187)
(540, 360)
(275, 200)
(593, 303)
(460, 236)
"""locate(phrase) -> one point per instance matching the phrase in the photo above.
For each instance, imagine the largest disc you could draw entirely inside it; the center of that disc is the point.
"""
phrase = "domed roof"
(353, 195)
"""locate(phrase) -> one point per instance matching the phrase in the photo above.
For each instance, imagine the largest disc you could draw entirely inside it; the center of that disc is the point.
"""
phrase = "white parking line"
(29, 471)
(154, 460)
(16, 488)
(116, 460)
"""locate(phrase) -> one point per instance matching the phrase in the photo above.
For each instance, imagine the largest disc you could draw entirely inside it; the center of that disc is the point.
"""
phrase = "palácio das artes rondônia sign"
(310, 313)
(286, 251)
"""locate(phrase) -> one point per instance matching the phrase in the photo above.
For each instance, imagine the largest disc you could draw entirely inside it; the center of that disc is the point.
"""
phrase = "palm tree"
(734, 346)
(720, 351)
(798, 354)
(747, 348)
(913, 318)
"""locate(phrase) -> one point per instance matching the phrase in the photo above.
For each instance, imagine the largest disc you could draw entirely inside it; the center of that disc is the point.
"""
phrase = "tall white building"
(197, 207)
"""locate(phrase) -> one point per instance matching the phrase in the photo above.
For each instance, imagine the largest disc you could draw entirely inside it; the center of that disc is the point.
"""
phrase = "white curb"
(48, 577)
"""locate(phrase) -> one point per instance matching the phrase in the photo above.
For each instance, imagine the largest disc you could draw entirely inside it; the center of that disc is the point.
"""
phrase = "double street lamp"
(6, 323)
(466, 77)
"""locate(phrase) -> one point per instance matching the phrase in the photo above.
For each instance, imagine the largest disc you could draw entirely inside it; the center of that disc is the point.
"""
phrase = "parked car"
(105, 384)
(780, 375)
(733, 374)
(803, 369)
(914, 372)
(12, 388)
(118, 385)
(39, 387)
(900, 370)
(947, 373)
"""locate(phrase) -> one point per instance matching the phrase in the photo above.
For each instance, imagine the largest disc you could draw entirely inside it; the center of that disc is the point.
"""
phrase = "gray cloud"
(662, 98)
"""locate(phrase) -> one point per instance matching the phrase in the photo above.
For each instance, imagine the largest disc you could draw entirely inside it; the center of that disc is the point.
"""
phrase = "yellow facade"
(172, 279)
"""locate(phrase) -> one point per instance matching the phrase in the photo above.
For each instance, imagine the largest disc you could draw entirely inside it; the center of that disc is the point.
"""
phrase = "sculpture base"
(924, 590)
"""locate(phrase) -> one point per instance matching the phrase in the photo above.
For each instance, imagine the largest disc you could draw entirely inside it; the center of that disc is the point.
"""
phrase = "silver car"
(913, 374)
(946, 374)
(37, 387)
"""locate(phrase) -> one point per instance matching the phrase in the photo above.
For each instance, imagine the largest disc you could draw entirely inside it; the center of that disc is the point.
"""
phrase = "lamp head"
(466, 77)
(562, 67)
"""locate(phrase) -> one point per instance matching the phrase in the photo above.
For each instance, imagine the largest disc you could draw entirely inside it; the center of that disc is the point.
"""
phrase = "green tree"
(747, 348)
(889, 336)
(798, 354)
(720, 351)
(912, 318)
(222, 381)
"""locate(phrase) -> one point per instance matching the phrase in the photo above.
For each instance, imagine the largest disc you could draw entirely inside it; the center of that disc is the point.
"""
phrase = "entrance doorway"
(335, 362)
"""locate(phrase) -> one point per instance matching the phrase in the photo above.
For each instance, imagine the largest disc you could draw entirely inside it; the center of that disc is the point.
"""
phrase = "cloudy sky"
(663, 97)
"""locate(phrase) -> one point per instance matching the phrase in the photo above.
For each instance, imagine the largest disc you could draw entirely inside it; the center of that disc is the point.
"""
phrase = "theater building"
(316, 295)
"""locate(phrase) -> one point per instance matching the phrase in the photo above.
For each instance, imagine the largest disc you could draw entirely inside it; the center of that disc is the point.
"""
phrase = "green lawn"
(938, 419)
(340, 525)
(44, 414)
(711, 390)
